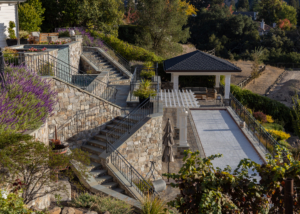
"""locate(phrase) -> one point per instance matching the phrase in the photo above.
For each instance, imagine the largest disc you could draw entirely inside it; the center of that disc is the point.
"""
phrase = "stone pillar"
(227, 86)
(183, 128)
(175, 81)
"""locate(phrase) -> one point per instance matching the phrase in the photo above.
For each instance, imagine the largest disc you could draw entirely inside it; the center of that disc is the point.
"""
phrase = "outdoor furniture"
(197, 90)
(37, 37)
(219, 99)
(203, 97)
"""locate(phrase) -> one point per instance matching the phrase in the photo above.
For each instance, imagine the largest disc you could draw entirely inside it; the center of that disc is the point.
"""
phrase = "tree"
(34, 166)
(205, 189)
(256, 5)
(162, 24)
(256, 56)
(288, 12)
(296, 115)
(232, 4)
(102, 15)
(274, 10)
(294, 3)
(243, 5)
(31, 15)
(217, 28)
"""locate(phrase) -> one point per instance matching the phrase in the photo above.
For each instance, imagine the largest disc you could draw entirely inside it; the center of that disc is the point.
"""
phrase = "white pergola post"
(217, 82)
(227, 86)
(183, 128)
(175, 81)
(178, 117)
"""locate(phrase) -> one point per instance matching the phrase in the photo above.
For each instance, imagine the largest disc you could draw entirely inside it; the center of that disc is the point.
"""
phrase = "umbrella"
(168, 142)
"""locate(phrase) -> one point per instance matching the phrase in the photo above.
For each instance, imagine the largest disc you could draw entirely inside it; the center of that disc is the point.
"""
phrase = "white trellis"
(180, 100)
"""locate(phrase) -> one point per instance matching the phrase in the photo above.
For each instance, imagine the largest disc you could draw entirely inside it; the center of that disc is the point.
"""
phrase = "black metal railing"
(117, 134)
(48, 65)
(264, 138)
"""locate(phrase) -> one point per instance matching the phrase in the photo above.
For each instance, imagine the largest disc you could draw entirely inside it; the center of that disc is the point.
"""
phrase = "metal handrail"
(48, 65)
(117, 159)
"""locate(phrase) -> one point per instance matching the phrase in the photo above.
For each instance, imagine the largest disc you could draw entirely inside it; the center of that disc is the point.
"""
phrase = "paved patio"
(220, 134)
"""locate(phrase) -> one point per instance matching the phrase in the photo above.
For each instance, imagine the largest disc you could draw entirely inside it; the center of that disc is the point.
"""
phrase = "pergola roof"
(176, 98)
(198, 61)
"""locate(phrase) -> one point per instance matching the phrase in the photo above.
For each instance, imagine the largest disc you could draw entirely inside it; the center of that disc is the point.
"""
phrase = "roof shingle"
(198, 61)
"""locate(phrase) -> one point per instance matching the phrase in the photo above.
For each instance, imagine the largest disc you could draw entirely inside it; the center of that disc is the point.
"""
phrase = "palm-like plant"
(145, 90)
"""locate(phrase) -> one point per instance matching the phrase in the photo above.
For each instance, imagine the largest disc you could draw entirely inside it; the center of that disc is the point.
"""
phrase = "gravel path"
(285, 89)
(265, 80)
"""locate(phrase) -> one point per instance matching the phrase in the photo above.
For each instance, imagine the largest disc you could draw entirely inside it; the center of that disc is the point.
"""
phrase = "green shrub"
(64, 34)
(128, 51)
(145, 90)
(13, 138)
(23, 34)
(101, 204)
(12, 204)
(277, 110)
(273, 126)
(128, 33)
(147, 74)
(11, 31)
(153, 205)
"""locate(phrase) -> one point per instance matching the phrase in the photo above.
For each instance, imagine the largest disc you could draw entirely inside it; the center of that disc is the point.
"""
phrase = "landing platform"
(219, 133)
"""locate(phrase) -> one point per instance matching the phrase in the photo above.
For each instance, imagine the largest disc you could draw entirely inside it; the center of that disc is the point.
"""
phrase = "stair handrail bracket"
(124, 127)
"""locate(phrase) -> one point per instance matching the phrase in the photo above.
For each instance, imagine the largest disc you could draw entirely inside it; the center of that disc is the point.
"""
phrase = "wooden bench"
(37, 37)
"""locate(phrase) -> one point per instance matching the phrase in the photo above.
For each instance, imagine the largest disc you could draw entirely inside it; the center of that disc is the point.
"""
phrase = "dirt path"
(285, 89)
(265, 80)
(246, 71)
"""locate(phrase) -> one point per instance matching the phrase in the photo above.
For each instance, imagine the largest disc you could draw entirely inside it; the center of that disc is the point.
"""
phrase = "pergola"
(198, 63)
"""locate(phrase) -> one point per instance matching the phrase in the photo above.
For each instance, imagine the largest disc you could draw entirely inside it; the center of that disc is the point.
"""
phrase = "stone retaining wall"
(41, 134)
(145, 145)
(78, 114)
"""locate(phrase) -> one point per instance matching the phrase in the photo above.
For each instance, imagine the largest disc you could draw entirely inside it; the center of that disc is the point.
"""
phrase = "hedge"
(256, 102)
(128, 51)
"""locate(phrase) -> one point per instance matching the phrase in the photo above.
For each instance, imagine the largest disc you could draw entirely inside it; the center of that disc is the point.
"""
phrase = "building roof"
(267, 28)
(198, 61)
(249, 13)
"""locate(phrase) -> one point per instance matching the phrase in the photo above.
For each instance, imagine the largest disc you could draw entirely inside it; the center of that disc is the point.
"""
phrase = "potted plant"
(12, 35)
(144, 92)
(24, 35)
(57, 146)
(147, 71)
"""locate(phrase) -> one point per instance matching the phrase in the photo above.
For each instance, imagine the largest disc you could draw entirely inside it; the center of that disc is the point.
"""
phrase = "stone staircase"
(115, 76)
(97, 145)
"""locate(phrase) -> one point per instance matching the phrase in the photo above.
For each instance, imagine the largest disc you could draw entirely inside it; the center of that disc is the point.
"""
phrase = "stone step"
(120, 129)
(119, 190)
(100, 137)
(98, 173)
(95, 158)
(118, 82)
(114, 134)
(92, 149)
(117, 78)
(97, 143)
(110, 185)
(134, 121)
(114, 74)
(122, 123)
(94, 166)
(104, 179)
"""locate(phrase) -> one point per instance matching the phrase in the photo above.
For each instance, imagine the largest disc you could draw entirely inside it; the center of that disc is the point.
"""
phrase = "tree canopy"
(243, 5)
(162, 24)
(31, 15)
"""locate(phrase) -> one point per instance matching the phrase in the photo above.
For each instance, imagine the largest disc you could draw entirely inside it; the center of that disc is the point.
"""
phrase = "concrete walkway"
(122, 94)
(219, 134)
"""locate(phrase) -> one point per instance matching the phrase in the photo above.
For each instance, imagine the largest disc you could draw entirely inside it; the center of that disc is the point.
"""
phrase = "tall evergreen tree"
(232, 3)
(243, 5)
(294, 3)
(162, 24)
(256, 6)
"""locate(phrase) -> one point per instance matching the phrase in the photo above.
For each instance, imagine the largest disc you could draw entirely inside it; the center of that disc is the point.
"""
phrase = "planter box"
(11, 42)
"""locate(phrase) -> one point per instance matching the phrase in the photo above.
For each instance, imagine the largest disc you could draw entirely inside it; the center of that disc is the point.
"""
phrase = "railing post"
(131, 174)
(288, 195)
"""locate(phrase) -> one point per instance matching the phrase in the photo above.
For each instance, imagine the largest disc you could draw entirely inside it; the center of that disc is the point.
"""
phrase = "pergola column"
(217, 82)
(227, 86)
(183, 128)
(174, 80)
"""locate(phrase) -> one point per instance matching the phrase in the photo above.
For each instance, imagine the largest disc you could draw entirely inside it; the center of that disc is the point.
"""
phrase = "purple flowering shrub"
(26, 100)
(88, 40)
